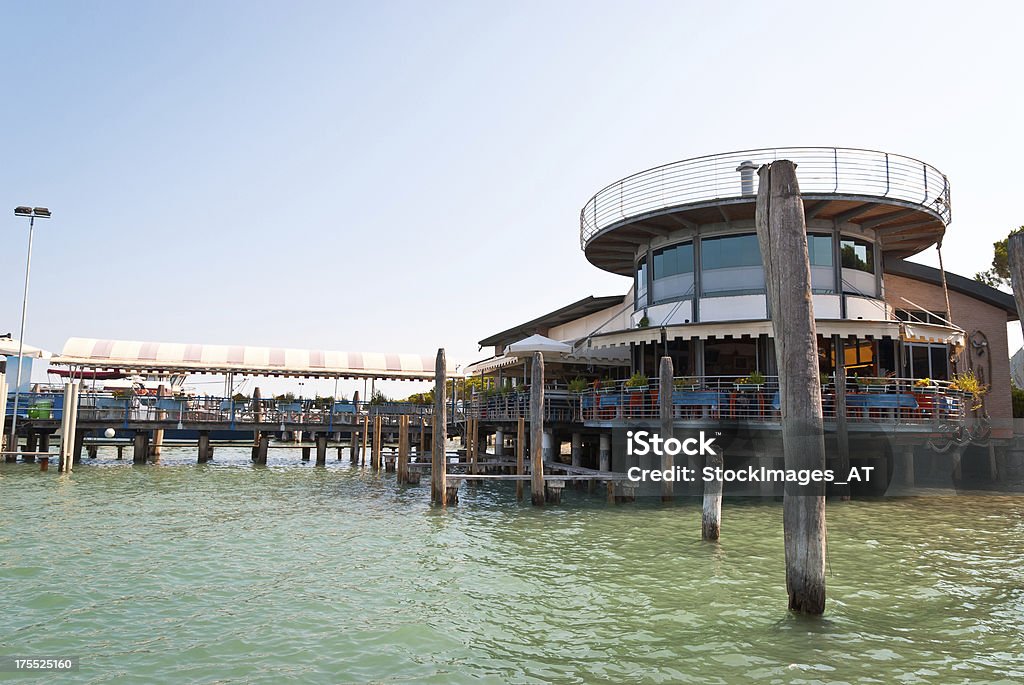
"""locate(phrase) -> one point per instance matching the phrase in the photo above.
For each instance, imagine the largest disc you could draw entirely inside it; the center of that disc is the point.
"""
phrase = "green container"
(40, 409)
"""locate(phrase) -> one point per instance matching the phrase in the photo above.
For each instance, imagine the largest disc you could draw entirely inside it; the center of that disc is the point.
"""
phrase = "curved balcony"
(905, 200)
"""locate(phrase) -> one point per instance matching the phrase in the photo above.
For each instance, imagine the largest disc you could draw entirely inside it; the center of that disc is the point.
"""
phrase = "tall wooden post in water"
(842, 431)
(668, 462)
(537, 430)
(520, 455)
(403, 449)
(439, 460)
(782, 234)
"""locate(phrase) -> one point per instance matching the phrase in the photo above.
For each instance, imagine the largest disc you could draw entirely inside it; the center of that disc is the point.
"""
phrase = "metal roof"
(961, 284)
(166, 357)
(576, 310)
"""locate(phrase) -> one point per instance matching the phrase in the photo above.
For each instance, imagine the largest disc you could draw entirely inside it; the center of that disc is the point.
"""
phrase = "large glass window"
(858, 261)
(641, 283)
(823, 277)
(673, 272)
(926, 361)
(731, 265)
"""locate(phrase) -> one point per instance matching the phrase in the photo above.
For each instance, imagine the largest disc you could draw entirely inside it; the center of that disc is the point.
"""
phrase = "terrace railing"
(820, 170)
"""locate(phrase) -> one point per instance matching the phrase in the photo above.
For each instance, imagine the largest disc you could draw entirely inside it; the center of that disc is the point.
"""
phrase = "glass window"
(858, 255)
(731, 265)
(641, 283)
(823, 277)
(673, 272)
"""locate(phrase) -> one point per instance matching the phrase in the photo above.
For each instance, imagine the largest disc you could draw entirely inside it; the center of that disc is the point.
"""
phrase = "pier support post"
(262, 449)
(31, 445)
(321, 449)
(842, 430)
(537, 434)
(520, 455)
(120, 452)
(711, 520)
(605, 453)
(499, 443)
(366, 440)
(439, 459)
(377, 439)
(668, 462)
(553, 491)
(157, 444)
(353, 452)
(306, 449)
(782, 234)
(473, 446)
(141, 445)
(44, 442)
(79, 442)
(451, 487)
(550, 451)
(403, 449)
(422, 449)
(69, 440)
(577, 449)
(203, 447)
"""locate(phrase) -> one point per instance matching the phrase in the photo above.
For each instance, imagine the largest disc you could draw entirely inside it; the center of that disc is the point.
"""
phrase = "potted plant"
(754, 382)
(577, 385)
(872, 384)
(608, 384)
(644, 322)
(637, 381)
(924, 384)
(969, 385)
(685, 383)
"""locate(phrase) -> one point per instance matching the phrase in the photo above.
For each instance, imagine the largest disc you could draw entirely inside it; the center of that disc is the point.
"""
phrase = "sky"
(403, 176)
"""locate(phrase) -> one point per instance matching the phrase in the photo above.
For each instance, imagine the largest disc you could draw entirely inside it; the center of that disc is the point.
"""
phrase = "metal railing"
(820, 170)
(893, 401)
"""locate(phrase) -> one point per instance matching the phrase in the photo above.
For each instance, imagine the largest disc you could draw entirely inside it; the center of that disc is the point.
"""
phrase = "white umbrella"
(9, 348)
(537, 343)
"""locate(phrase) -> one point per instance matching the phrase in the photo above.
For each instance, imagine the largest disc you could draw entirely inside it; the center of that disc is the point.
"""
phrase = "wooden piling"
(422, 449)
(842, 430)
(782, 234)
(473, 445)
(668, 462)
(306, 452)
(261, 450)
(403, 449)
(321, 449)
(711, 519)
(156, 445)
(31, 446)
(553, 491)
(604, 455)
(141, 444)
(537, 430)
(44, 442)
(520, 454)
(353, 453)
(439, 459)
(499, 443)
(120, 452)
(377, 439)
(366, 440)
(79, 440)
(576, 449)
(203, 447)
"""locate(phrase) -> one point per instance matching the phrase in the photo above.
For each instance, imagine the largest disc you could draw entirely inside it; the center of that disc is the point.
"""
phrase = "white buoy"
(109, 433)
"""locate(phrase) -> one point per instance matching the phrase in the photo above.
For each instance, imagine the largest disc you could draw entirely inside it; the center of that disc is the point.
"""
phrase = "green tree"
(999, 274)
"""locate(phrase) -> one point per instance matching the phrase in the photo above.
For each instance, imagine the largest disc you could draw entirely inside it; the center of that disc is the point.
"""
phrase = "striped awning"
(166, 357)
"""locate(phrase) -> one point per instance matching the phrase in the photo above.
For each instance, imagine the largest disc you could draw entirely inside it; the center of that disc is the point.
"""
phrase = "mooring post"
(353, 452)
(141, 443)
(842, 430)
(520, 455)
(79, 444)
(204, 447)
(711, 520)
(499, 443)
(377, 440)
(576, 449)
(422, 450)
(306, 452)
(668, 462)
(261, 450)
(473, 444)
(157, 443)
(321, 449)
(366, 440)
(257, 407)
(67, 440)
(120, 452)
(604, 454)
(782, 234)
(439, 459)
(553, 491)
(403, 448)
(31, 445)
(537, 430)
(44, 442)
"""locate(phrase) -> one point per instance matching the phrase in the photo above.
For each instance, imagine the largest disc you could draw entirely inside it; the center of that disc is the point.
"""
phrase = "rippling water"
(226, 573)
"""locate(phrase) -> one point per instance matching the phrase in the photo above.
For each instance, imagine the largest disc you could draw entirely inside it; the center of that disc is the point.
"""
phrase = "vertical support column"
(377, 439)
(366, 440)
(474, 444)
(204, 447)
(439, 460)
(520, 455)
(711, 520)
(782, 235)
(668, 462)
(422, 449)
(158, 434)
(577, 449)
(403, 448)
(306, 450)
(68, 420)
(31, 446)
(79, 444)
(141, 443)
(537, 430)
(604, 454)
(321, 449)
(261, 450)
(44, 442)
(842, 430)
(499, 443)
(353, 453)
(3, 403)
(908, 466)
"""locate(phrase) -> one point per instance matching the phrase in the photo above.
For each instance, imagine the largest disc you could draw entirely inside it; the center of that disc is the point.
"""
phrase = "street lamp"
(32, 213)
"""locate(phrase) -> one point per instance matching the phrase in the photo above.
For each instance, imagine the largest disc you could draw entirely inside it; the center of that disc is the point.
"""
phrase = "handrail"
(826, 170)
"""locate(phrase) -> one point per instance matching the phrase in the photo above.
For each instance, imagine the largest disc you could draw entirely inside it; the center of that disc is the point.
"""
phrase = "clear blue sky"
(327, 174)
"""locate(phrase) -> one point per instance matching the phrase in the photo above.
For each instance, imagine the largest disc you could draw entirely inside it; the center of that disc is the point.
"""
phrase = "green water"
(229, 574)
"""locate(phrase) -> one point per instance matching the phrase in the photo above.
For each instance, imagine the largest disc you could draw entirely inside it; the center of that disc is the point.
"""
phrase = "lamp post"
(32, 213)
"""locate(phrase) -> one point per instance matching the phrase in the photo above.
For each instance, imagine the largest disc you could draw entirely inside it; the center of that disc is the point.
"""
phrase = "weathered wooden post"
(668, 462)
(306, 452)
(141, 443)
(439, 459)
(204, 447)
(537, 430)
(403, 448)
(261, 450)
(67, 427)
(157, 444)
(377, 439)
(474, 444)
(576, 449)
(520, 455)
(605, 452)
(782, 234)
(1015, 250)
(711, 520)
(321, 449)
(3, 403)
(366, 439)
(842, 430)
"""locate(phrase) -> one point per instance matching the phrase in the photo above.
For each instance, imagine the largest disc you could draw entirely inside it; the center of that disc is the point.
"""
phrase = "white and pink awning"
(167, 357)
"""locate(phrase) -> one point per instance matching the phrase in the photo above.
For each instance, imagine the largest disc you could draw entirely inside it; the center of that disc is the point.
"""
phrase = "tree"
(999, 274)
